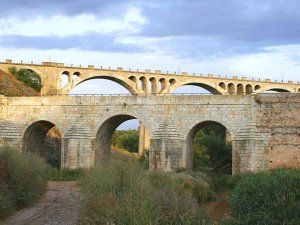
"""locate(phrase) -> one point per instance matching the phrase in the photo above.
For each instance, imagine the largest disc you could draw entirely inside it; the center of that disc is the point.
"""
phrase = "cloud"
(88, 42)
(31, 8)
(185, 30)
(128, 22)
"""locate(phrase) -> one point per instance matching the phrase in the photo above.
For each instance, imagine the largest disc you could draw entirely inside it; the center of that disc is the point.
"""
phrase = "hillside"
(10, 86)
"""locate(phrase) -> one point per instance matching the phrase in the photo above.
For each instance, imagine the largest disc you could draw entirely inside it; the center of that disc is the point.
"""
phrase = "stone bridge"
(145, 82)
(264, 128)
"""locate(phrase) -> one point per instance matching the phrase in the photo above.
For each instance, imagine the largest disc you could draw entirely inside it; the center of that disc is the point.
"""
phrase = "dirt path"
(59, 206)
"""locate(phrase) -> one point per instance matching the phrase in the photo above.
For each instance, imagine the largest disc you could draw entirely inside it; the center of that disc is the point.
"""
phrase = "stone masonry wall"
(278, 116)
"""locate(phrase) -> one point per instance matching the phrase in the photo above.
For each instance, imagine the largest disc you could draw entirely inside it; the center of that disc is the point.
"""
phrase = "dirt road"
(59, 206)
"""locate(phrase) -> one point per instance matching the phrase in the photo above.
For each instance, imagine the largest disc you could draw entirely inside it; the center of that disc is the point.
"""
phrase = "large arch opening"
(122, 134)
(275, 90)
(209, 147)
(195, 88)
(102, 85)
(44, 139)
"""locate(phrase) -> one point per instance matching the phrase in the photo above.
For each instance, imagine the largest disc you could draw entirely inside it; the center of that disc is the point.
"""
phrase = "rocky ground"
(59, 206)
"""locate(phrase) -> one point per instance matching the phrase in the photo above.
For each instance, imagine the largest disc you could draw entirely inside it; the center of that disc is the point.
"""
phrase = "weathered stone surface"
(264, 128)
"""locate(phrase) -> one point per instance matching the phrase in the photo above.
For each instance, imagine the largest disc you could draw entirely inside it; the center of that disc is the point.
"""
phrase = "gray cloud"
(31, 8)
(90, 42)
(196, 28)
(262, 22)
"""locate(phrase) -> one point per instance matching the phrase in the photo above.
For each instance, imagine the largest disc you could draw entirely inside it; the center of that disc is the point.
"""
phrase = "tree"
(210, 149)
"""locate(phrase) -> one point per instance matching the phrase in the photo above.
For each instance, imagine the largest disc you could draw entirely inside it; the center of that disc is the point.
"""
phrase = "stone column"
(144, 141)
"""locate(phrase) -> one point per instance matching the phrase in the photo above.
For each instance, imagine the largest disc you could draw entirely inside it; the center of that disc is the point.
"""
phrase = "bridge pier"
(144, 141)
(248, 150)
(167, 149)
(78, 147)
(77, 153)
(9, 136)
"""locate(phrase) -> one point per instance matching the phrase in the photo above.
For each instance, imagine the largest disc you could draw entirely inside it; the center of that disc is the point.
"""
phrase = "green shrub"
(121, 192)
(22, 180)
(28, 77)
(271, 197)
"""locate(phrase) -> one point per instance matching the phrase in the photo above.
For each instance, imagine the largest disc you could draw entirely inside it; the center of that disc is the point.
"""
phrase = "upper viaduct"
(264, 128)
(144, 82)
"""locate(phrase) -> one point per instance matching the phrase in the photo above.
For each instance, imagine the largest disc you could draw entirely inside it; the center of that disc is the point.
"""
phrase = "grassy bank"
(22, 180)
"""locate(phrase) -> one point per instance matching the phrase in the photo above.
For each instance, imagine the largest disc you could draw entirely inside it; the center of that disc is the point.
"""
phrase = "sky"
(250, 38)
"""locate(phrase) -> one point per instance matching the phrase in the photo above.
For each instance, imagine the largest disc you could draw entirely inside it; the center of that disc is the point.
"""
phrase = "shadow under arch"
(105, 133)
(266, 90)
(207, 87)
(35, 136)
(194, 130)
(126, 84)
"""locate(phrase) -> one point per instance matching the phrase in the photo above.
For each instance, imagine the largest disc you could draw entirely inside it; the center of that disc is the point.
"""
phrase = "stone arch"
(35, 135)
(275, 89)
(192, 133)
(207, 86)
(76, 75)
(163, 85)
(222, 85)
(104, 133)
(134, 80)
(64, 79)
(144, 85)
(231, 88)
(154, 88)
(172, 81)
(240, 89)
(32, 69)
(257, 87)
(249, 89)
(128, 84)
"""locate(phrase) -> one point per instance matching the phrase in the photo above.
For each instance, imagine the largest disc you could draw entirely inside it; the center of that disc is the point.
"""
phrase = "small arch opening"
(240, 89)
(172, 81)
(76, 75)
(298, 89)
(154, 88)
(162, 85)
(44, 139)
(222, 85)
(209, 147)
(143, 84)
(64, 79)
(257, 87)
(249, 89)
(231, 88)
